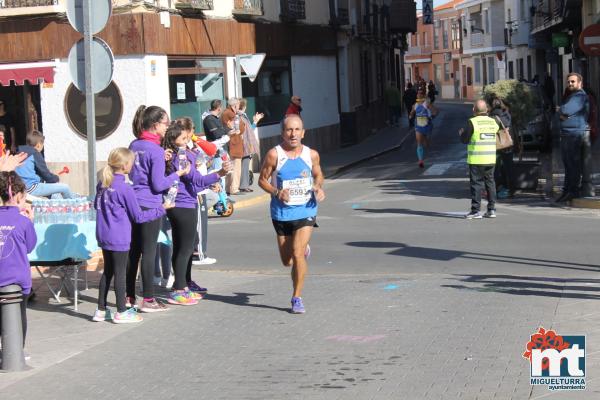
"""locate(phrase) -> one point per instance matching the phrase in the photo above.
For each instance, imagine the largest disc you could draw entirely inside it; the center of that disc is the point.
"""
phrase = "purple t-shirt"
(148, 173)
(116, 207)
(192, 183)
(17, 239)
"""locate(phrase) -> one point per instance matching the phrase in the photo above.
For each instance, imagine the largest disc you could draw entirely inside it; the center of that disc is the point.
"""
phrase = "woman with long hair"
(149, 184)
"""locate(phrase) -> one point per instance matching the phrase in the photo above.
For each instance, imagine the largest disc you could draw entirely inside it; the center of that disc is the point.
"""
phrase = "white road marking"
(437, 169)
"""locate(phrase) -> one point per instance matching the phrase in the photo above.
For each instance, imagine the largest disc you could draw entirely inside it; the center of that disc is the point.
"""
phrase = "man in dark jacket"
(410, 98)
(213, 127)
(573, 114)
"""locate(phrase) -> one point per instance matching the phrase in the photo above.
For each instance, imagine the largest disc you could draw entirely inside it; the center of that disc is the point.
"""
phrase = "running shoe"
(181, 298)
(102, 315)
(193, 286)
(297, 306)
(127, 317)
(307, 252)
(474, 215)
(421, 164)
(151, 306)
(157, 280)
(194, 295)
(490, 214)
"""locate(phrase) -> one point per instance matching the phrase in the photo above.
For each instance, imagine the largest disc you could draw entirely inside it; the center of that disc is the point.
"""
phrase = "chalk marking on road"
(437, 169)
(391, 286)
(355, 339)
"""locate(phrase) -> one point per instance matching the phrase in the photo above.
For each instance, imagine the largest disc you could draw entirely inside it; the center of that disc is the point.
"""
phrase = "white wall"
(314, 79)
(132, 76)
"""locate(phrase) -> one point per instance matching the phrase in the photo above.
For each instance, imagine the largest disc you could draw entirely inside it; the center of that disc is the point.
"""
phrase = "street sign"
(102, 65)
(251, 64)
(427, 12)
(589, 40)
(560, 39)
(100, 13)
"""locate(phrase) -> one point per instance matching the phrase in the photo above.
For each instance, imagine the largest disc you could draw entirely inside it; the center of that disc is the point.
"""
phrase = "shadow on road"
(587, 289)
(429, 253)
(241, 299)
(408, 211)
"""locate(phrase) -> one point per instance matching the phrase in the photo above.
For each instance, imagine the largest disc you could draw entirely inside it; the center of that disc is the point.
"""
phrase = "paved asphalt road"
(405, 300)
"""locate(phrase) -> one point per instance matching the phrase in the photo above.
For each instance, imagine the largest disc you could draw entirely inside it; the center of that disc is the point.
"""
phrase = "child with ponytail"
(17, 239)
(117, 208)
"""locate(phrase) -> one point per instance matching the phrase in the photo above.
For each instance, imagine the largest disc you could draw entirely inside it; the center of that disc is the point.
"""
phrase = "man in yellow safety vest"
(480, 136)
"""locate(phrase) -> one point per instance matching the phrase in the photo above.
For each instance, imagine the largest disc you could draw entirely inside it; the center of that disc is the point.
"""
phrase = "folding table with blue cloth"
(63, 249)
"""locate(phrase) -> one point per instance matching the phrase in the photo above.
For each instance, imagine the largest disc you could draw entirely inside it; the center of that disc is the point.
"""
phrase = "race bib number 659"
(299, 189)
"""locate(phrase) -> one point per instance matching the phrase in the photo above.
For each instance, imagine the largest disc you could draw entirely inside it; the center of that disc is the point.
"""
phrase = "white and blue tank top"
(294, 174)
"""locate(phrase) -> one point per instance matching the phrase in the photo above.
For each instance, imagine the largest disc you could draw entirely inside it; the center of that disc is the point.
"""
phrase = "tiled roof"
(448, 5)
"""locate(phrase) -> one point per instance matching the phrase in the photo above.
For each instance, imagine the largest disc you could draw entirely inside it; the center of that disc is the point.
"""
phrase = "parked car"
(538, 134)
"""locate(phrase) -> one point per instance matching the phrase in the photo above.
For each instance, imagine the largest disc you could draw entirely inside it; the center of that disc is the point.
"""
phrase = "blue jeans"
(571, 148)
(52, 190)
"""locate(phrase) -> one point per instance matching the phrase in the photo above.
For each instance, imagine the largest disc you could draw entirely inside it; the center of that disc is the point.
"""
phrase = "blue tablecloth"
(56, 242)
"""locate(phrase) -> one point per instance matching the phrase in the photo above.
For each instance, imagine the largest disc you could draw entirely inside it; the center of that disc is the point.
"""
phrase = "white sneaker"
(205, 261)
(167, 283)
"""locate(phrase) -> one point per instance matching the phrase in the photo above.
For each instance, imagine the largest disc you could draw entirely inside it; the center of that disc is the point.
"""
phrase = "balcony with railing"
(31, 7)
(248, 7)
(194, 5)
(292, 10)
(545, 13)
(418, 51)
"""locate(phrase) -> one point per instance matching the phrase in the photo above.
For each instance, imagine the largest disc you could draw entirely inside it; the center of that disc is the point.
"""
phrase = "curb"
(370, 157)
(252, 202)
(586, 202)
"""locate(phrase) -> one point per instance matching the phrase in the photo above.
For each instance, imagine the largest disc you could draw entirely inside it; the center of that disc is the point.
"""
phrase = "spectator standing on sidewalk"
(410, 98)
(291, 173)
(230, 117)
(393, 100)
(573, 114)
(116, 209)
(9, 123)
(480, 136)
(149, 183)
(431, 91)
(295, 106)
(504, 157)
(250, 144)
(549, 91)
(184, 216)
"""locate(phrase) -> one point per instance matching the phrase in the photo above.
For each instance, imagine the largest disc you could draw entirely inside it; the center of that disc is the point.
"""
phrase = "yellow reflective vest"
(482, 147)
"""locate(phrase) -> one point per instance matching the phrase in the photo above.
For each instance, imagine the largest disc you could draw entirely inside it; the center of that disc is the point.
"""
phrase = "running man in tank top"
(292, 174)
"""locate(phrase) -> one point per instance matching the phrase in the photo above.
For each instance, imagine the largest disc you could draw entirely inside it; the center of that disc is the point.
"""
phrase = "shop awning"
(34, 73)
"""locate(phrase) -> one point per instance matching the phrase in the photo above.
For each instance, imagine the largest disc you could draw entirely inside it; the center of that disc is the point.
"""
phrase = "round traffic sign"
(101, 10)
(589, 40)
(102, 65)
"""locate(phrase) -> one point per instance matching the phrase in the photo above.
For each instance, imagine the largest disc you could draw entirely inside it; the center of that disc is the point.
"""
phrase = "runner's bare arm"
(266, 171)
(318, 177)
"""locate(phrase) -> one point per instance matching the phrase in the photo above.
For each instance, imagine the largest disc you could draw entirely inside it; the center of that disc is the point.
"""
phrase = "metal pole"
(238, 77)
(89, 98)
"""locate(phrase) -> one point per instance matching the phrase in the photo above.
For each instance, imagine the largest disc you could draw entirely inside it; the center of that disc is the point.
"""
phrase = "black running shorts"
(287, 228)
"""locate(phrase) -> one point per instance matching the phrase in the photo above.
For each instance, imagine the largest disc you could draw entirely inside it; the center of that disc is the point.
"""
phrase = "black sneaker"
(490, 214)
(473, 215)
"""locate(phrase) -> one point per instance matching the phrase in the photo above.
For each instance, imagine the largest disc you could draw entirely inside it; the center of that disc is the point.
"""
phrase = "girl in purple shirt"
(17, 239)
(116, 209)
(149, 184)
(184, 216)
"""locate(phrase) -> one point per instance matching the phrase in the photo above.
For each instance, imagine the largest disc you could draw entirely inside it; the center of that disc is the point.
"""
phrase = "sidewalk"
(386, 140)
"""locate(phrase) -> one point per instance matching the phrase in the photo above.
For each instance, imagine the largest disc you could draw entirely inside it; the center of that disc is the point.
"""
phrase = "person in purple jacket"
(17, 239)
(149, 184)
(116, 208)
(184, 216)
